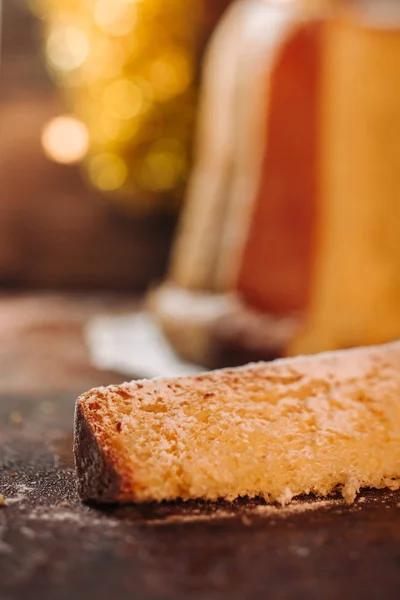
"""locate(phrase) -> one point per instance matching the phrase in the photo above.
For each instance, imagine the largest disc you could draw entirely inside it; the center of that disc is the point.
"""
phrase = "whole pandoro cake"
(290, 238)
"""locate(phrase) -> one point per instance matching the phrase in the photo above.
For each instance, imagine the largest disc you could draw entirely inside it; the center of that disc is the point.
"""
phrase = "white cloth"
(134, 345)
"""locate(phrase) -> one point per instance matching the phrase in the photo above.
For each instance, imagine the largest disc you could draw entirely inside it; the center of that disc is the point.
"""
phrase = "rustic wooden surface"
(43, 348)
(51, 546)
(54, 547)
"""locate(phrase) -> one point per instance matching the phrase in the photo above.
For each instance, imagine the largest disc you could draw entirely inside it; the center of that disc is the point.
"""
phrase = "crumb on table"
(2, 500)
(16, 418)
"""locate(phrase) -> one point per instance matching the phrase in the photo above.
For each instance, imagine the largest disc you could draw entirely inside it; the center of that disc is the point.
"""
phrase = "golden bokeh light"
(106, 130)
(124, 99)
(67, 47)
(158, 172)
(170, 75)
(164, 166)
(115, 17)
(65, 139)
(107, 171)
(107, 58)
(129, 72)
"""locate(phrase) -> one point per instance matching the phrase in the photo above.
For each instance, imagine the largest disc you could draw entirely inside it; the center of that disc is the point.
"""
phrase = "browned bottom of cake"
(218, 330)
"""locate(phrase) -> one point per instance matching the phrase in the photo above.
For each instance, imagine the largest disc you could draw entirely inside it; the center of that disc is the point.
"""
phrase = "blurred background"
(276, 147)
(98, 101)
(97, 107)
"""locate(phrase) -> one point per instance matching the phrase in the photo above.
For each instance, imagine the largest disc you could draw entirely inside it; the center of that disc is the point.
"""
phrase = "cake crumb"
(13, 474)
(47, 408)
(296, 507)
(27, 532)
(15, 418)
(302, 551)
(246, 520)
(2, 500)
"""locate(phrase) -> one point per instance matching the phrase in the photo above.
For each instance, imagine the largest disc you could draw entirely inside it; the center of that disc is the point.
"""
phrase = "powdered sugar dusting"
(246, 514)
(56, 514)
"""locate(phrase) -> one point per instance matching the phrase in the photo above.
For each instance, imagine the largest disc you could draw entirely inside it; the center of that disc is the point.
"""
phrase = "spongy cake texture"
(277, 430)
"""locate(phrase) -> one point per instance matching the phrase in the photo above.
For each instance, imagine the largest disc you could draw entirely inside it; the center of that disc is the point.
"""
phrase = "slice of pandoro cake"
(276, 430)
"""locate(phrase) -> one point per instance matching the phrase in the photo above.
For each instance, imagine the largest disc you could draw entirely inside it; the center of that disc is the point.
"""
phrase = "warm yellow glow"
(65, 139)
(170, 75)
(163, 167)
(38, 7)
(106, 59)
(67, 48)
(115, 17)
(105, 128)
(123, 98)
(107, 171)
(127, 67)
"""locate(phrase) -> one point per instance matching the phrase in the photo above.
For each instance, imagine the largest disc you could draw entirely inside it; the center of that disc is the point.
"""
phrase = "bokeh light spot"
(115, 17)
(170, 75)
(123, 98)
(107, 171)
(107, 58)
(163, 167)
(67, 47)
(65, 139)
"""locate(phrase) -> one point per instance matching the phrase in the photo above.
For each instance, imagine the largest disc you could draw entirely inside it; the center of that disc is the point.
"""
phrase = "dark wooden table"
(53, 547)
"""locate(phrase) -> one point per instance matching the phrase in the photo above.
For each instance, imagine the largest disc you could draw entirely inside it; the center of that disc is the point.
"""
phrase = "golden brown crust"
(100, 463)
(96, 476)
(100, 459)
